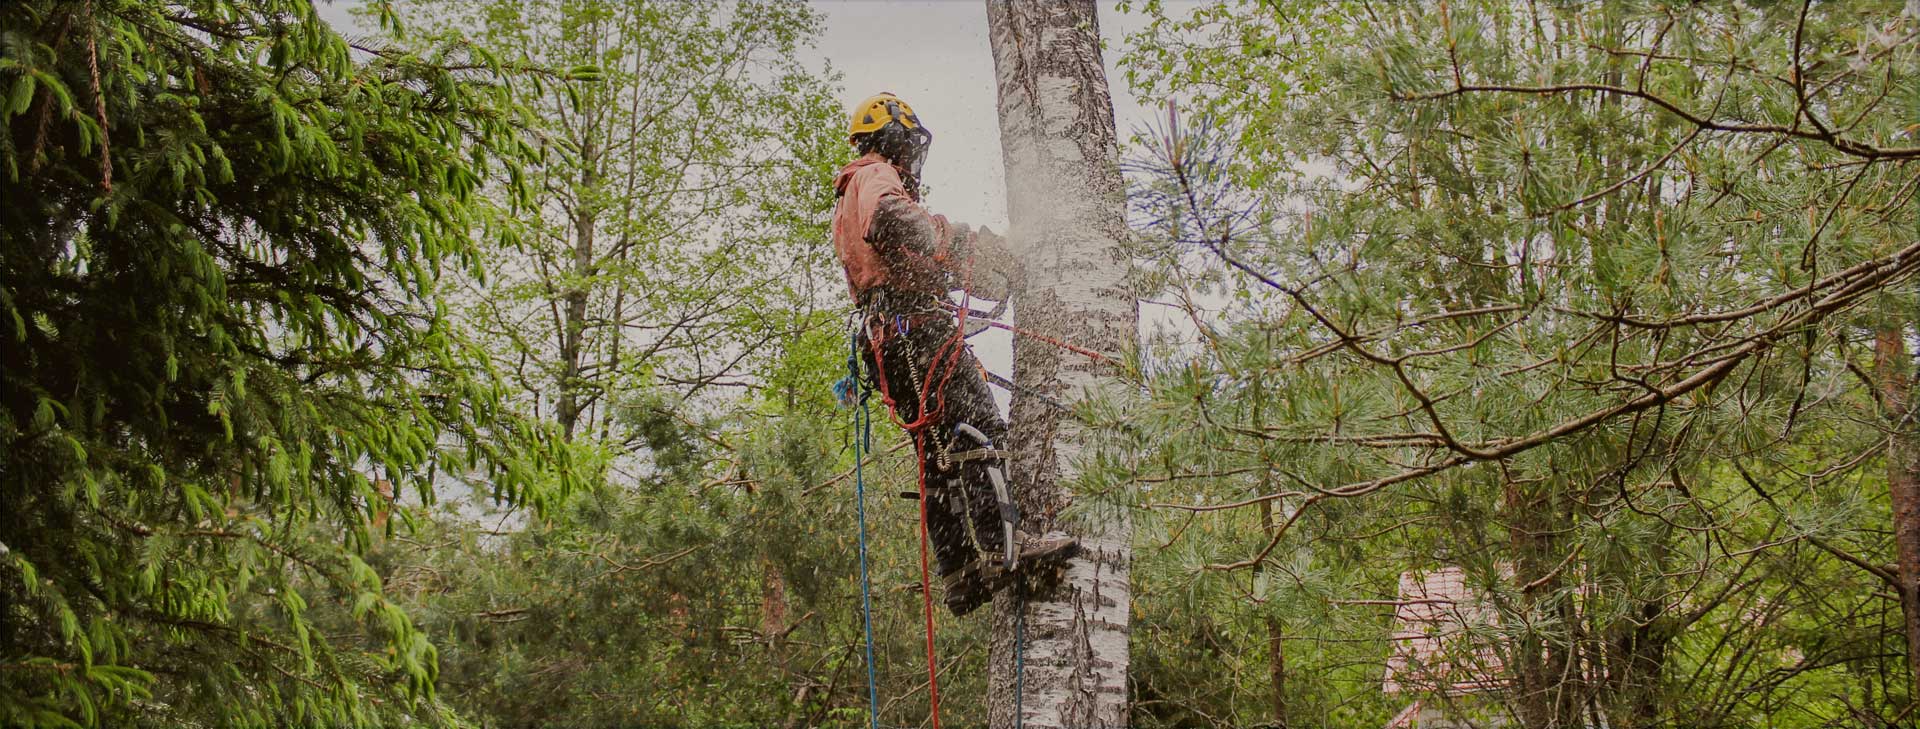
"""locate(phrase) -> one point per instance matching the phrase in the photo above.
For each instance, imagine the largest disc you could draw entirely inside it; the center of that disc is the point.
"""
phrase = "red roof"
(1404, 719)
(1441, 640)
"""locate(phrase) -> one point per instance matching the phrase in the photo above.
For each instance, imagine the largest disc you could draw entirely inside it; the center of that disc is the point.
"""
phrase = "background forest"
(478, 371)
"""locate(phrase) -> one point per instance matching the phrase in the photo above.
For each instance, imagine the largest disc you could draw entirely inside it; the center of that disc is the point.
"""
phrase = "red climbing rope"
(944, 359)
(876, 338)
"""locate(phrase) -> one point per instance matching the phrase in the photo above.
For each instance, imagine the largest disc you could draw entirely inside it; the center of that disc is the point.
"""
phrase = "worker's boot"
(1041, 562)
(1044, 549)
(966, 589)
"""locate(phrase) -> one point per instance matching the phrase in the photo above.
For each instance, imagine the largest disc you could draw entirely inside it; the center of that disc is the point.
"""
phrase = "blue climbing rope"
(862, 437)
(1019, 658)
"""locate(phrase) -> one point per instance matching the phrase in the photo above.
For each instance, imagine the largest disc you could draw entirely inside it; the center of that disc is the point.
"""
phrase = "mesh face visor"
(914, 156)
(905, 148)
(909, 150)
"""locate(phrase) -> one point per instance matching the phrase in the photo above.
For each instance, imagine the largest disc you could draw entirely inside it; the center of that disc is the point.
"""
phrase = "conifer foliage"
(220, 232)
(1600, 314)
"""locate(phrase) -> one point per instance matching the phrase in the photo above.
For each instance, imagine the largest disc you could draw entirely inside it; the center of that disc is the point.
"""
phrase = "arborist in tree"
(901, 262)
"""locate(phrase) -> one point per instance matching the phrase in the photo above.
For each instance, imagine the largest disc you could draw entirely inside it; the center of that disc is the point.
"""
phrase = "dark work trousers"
(913, 329)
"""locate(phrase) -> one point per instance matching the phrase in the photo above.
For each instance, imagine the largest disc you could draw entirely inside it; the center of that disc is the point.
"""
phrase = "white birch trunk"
(1065, 201)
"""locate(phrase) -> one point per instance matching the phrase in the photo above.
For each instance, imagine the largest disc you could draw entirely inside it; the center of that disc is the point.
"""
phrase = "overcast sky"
(933, 54)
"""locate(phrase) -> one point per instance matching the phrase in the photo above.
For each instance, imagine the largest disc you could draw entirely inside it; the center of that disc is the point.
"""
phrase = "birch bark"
(1065, 202)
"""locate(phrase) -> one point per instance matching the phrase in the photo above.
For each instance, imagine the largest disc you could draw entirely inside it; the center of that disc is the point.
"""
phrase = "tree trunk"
(1903, 482)
(1547, 691)
(1276, 635)
(1066, 204)
(574, 326)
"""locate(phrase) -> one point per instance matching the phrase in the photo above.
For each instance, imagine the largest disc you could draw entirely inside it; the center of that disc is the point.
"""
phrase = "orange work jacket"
(907, 253)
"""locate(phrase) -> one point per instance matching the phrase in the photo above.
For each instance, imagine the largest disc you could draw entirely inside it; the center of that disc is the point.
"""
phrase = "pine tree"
(220, 240)
(1599, 306)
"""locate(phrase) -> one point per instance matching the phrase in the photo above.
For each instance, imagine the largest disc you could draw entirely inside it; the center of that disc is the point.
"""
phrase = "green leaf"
(21, 97)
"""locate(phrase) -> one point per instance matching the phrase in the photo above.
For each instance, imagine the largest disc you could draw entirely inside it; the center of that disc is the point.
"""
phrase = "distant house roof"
(1406, 718)
(1440, 641)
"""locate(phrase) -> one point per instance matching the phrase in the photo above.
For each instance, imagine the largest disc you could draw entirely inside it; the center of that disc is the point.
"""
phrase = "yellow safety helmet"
(886, 125)
(877, 111)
